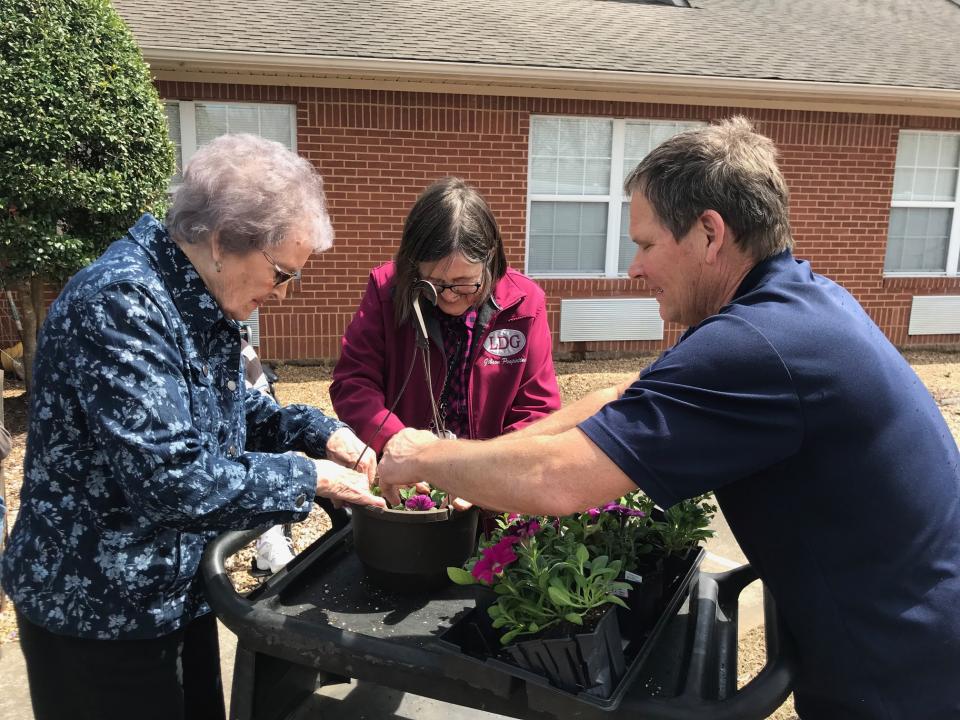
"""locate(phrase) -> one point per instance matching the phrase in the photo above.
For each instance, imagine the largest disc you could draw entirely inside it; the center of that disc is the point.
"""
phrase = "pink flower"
(529, 529)
(594, 513)
(525, 529)
(420, 502)
(495, 559)
(623, 510)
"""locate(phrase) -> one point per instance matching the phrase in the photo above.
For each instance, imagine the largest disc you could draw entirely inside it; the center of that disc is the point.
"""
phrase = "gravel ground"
(940, 371)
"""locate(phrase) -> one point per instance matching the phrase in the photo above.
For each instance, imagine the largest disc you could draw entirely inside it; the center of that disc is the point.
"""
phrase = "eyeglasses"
(280, 276)
(459, 290)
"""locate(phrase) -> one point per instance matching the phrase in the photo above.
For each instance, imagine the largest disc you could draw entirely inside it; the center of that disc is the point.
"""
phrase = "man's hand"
(342, 485)
(344, 448)
(398, 466)
(458, 504)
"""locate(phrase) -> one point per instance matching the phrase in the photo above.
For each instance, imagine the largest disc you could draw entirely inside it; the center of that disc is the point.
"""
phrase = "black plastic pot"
(410, 551)
(674, 566)
(591, 661)
(645, 602)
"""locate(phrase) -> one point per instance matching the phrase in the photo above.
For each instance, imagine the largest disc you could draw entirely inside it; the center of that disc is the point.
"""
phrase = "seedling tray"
(475, 653)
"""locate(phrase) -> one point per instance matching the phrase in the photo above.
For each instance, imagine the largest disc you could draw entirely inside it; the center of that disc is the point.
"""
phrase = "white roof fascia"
(225, 66)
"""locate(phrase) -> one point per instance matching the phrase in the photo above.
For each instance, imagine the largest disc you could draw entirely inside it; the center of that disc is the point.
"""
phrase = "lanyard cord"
(420, 343)
(413, 362)
(434, 408)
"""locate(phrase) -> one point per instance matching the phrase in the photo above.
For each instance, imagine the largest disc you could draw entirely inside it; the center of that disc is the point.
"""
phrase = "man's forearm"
(570, 416)
(541, 475)
(548, 468)
(487, 472)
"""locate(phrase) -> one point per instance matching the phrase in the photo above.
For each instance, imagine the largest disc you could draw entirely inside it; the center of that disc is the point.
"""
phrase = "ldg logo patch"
(504, 343)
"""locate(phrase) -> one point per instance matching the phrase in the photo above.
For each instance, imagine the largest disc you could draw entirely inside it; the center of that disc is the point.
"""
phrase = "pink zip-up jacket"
(511, 381)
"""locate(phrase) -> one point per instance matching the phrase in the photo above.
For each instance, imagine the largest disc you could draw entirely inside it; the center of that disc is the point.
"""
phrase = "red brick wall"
(8, 330)
(378, 149)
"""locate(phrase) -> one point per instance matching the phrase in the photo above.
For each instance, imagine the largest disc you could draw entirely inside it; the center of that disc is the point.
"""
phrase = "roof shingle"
(906, 43)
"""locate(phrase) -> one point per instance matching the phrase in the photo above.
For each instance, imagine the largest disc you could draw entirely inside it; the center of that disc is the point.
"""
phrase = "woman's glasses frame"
(280, 276)
(458, 289)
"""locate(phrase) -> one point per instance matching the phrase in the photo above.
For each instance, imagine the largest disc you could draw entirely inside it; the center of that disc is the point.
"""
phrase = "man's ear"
(717, 233)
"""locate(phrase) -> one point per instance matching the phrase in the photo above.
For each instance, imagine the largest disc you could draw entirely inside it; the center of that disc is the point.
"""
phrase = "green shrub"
(83, 139)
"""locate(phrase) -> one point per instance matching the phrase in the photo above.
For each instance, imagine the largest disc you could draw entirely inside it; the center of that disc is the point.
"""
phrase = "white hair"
(251, 192)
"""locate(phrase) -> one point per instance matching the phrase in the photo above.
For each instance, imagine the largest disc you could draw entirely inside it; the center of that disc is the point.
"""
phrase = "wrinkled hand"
(343, 485)
(397, 468)
(344, 448)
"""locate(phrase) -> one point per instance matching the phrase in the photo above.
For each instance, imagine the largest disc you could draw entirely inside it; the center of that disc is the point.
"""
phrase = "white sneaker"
(274, 550)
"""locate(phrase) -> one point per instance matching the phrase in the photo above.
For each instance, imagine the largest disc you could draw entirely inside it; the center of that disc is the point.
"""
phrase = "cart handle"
(710, 688)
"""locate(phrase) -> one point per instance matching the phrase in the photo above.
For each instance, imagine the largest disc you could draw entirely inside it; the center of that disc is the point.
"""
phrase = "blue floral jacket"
(143, 445)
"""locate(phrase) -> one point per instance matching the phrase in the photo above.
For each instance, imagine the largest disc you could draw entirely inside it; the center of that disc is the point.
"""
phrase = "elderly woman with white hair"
(143, 443)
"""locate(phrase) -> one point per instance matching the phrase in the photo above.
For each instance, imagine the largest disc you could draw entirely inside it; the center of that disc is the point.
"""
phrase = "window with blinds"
(192, 124)
(924, 233)
(577, 213)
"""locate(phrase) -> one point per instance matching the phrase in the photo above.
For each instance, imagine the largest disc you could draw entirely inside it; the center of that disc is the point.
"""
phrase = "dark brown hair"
(448, 217)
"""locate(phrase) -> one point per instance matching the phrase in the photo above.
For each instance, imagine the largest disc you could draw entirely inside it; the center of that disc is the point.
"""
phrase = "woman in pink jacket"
(489, 349)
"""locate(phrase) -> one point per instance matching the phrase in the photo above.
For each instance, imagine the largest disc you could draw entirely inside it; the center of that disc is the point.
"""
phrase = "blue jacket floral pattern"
(144, 444)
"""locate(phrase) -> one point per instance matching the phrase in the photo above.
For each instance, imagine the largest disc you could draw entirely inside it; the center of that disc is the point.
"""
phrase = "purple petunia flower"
(525, 529)
(529, 529)
(420, 502)
(623, 510)
(495, 559)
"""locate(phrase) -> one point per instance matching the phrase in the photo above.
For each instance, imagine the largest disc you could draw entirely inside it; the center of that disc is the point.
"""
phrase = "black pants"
(174, 677)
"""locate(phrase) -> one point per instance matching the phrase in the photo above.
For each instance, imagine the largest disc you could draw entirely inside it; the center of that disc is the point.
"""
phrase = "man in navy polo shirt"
(832, 463)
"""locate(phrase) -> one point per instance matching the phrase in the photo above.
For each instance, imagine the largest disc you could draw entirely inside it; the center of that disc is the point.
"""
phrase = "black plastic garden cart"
(319, 621)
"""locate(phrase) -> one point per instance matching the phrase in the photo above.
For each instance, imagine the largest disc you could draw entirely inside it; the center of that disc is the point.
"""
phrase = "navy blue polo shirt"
(836, 473)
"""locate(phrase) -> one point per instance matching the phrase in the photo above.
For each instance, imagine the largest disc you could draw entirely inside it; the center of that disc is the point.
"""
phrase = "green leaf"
(559, 596)
(508, 637)
(574, 618)
(616, 601)
(461, 576)
(582, 554)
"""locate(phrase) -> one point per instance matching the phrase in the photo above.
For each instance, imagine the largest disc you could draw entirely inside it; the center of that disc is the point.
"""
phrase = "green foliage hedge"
(83, 138)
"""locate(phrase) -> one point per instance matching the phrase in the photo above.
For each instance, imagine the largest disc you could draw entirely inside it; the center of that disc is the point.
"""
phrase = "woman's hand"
(397, 468)
(344, 448)
(343, 485)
